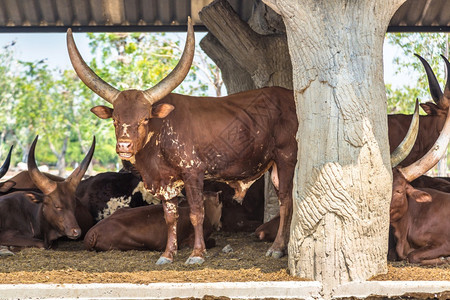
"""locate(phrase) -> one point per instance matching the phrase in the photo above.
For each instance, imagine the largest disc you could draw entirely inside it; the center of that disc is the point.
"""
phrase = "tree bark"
(250, 56)
(343, 178)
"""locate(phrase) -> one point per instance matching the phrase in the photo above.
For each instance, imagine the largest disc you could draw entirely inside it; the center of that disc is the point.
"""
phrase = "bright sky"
(52, 46)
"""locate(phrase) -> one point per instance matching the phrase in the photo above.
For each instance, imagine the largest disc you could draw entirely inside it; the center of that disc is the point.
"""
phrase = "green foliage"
(428, 45)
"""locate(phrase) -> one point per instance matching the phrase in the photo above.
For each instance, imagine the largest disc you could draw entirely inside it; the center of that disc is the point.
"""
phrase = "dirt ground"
(70, 263)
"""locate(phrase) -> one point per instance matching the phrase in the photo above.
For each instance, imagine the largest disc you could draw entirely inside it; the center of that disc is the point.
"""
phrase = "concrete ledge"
(390, 288)
(236, 290)
(240, 290)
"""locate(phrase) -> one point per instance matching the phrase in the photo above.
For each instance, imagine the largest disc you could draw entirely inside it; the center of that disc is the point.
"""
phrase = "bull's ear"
(430, 108)
(103, 112)
(162, 110)
(6, 186)
(33, 197)
(418, 195)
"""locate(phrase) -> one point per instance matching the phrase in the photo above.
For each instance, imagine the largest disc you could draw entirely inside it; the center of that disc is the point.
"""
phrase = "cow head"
(441, 99)
(133, 109)
(4, 168)
(402, 191)
(59, 203)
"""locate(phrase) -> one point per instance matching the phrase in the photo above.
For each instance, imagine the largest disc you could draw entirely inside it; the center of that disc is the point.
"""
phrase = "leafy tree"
(428, 45)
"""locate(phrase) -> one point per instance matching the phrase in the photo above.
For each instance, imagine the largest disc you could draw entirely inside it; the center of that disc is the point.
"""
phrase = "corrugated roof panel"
(65, 12)
(97, 13)
(114, 12)
(48, 11)
(431, 13)
(444, 16)
(132, 12)
(149, 11)
(30, 11)
(164, 15)
(81, 13)
(181, 12)
(165, 9)
(13, 17)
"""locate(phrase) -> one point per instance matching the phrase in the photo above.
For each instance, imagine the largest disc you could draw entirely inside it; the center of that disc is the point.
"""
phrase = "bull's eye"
(57, 207)
(115, 122)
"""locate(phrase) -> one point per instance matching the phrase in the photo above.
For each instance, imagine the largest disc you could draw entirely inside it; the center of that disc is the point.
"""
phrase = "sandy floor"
(70, 263)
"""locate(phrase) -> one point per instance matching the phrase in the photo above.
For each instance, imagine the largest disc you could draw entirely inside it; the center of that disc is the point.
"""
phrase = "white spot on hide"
(113, 205)
(146, 195)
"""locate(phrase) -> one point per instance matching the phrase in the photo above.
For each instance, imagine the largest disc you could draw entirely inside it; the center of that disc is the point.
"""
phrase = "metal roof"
(171, 15)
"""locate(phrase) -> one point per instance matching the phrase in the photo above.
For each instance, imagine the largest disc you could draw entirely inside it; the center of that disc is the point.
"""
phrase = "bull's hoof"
(4, 251)
(194, 260)
(163, 260)
(275, 253)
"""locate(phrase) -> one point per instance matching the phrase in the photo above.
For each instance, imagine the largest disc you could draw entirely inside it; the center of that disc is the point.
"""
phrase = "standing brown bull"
(430, 124)
(176, 140)
(29, 219)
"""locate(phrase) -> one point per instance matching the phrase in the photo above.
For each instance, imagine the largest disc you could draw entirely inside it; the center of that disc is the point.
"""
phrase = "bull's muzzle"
(124, 149)
(74, 233)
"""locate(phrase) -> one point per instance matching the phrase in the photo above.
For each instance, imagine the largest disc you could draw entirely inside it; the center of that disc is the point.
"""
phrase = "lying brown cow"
(436, 183)
(420, 217)
(99, 195)
(29, 219)
(144, 228)
(23, 182)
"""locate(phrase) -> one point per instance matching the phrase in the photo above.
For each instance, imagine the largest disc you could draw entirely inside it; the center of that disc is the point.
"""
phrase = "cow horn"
(431, 158)
(90, 79)
(405, 147)
(435, 89)
(4, 168)
(171, 81)
(45, 184)
(78, 173)
(447, 84)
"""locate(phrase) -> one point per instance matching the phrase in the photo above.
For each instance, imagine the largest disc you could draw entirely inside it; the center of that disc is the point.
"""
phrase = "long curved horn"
(405, 147)
(431, 158)
(171, 81)
(90, 79)
(435, 89)
(4, 168)
(78, 173)
(447, 84)
(45, 184)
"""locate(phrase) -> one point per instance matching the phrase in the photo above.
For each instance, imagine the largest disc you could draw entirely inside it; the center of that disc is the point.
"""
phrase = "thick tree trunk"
(342, 184)
(250, 56)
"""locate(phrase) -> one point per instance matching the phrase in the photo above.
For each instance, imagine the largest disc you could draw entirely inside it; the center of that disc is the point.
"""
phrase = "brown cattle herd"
(197, 167)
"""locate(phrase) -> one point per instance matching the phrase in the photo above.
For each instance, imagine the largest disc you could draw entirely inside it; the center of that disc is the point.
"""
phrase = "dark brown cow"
(240, 217)
(436, 183)
(430, 125)
(176, 140)
(420, 218)
(23, 182)
(106, 192)
(27, 220)
(144, 228)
